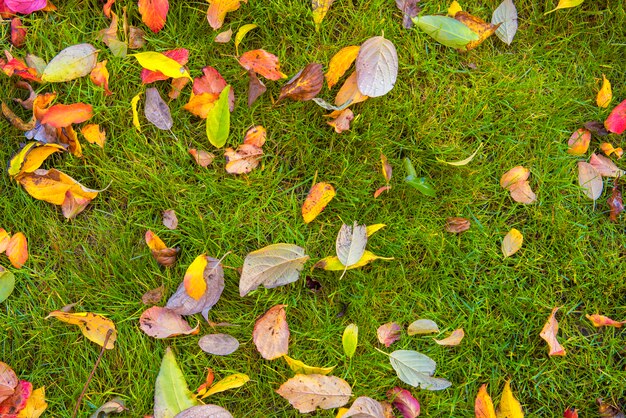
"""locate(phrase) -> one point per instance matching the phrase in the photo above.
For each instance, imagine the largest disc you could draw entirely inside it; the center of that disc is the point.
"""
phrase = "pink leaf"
(389, 333)
(25, 6)
(548, 333)
(402, 399)
(454, 338)
(616, 122)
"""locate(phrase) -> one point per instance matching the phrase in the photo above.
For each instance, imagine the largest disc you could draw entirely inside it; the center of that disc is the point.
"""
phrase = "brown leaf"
(136, 38)
(615, 202)
(457, 225)
(203, 158)
(255, 88)
(161, 322)
(15, 120)
(162, 254)
(549, 332)
(271, 333)
(244, 160)
(605, 167)
(478, 26)
(169, 219)
(311, 391)
(153, 296)
(342, 122)
(256, 136)
(224, 37)
(409, 10)
(608, 411)
(364, 407)
(305, 85)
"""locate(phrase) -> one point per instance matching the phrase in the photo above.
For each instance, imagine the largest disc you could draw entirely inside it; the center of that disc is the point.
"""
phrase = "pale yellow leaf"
(566, 4)
(512, 242)
(605, 94)
(299, 367)
(133, 104)
(509, 406)
(94, 327)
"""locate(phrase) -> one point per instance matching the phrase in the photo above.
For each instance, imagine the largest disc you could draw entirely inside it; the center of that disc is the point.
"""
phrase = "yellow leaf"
(454, 8)
(340, 63)
(349, 92)
(483, 29)
(94, 327)
(299, 367)
(319, 196)
(17, 161)
(155, 61)
(566, 4)
(320, 8)
(154, 242)
(35, 405)
(94, 135)
(512, 242)
(372, 229)
(52, 185)
(195, 285)
(483, 406)
(241, 33)
(465, 161)
(218, 10)
(332, 263)
(605, 94)
(31, 157)
(509, 406)
(229, 382)
(133, 103)
(341, 412)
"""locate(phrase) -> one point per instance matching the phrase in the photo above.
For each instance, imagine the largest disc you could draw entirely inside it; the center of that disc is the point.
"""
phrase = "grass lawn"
(523, 101)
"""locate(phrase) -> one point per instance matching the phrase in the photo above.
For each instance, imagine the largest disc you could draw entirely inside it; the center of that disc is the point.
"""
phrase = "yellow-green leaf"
(350, 339)
(332, 263)
(155, 61)
(133, 103)
(320, 8)
(229, 382)
(241, 33)
(566, 4)
(299, 367)
(218, 120)
(73, 62)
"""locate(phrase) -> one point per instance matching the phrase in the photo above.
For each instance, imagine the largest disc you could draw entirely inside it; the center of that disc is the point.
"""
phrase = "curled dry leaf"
(616, 204)
(17, 250)
(308, 392)
(299, 367)
(605, 95)
(388, 333)
(340, 63)
(590, 180)
(604, 321)
(162, 254)
(255, 88)
(578, 143)
(229, 382)
(319, 196)
(256, 136)
(154, 13)
(271, 333)
(73, 62)
(404, 401)
(218, 344)
(483, 406)
(114, 406)
(94, 327)
(608, 149)
(457, 225)
(422, 326)
(605, 167)
(153, 296)
(170, 221)
(454, 339)
(512, 242)
(218, 9)
(549, 332)
(609, 411)
(224, 37)
(342, 121)
(616, 122)
(73, 205)
(305, 85)
(202, 158)
(161, 322)
(364, 407)
(262, 62)
(509, 406)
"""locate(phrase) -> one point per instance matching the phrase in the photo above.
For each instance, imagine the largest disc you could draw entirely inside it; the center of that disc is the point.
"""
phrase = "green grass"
(522, 101)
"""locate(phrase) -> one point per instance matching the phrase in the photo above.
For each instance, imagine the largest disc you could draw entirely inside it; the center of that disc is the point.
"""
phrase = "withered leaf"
(342, 122)
(308, 392)
(409, 9)
(169, 219)
(271, 333)
(255, 88)
(157, 111)
(203, 158)
(457, 225)
(161, 322)
(305, 85)
(153, 296)
(218, 344)
(615, 202)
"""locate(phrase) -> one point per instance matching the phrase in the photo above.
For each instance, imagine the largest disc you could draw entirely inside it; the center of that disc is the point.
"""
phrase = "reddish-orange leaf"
(256, 136)
(106, 9)
(570, 413)
(604, 321)
(60, 115)
(262, 62)
(305, 85)
(100, 76)
(380, 191)
(180, 55)
(94, 135)
(319, 196)
(218, 9)
(548, 333)
(349, 92)
(17, 250)
(201, 104)
(14, 66)
(616, 122)
(342, 122)
(154, 13)
(177, 87)
(213, 82)
(483, 406)
(18, 33)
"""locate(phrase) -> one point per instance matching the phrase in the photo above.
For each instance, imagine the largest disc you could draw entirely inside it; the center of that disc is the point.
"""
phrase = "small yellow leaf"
(372, 229)
(35, 405)
(319, 196)
(566, 4)
(605, 94)
(195, 285)
(454, 8)
(133, 103)
(94, 327)
(509, 406)
(94, 135)
(241, 33)
(229, 382)
(332, 263)
(299, 367)
(320, 8)
(340, 63)
(512, 242)
(341, 412)
(155, 61)
(465, 161)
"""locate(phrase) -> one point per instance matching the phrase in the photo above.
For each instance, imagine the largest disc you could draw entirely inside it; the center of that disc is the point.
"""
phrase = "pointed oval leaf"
(308, 392)
(340, 63)
(509, 406)
(17, 250)
(365, 407)
(402, 399)
(157, 111)
(271, 333)
(155, 61)
(376, 67)
(446, 30)
(161, 322)
(416, 370)
(299, 367)
(7, 284)
(506, 15)
(71, 63)
(483, 406)
(350, 243)
(94, 327)
(229, 382)
(218, 120)
(154, 13)
(616, 122)
(422, 326)
(453, 339)
(590, 180)
(350, 339)
(204, 411)
(512, 242)
(171, 395)
(218, 344)
(271, 266)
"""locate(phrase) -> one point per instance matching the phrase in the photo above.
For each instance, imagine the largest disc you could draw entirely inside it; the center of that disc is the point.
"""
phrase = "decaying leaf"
(154, 13)
(8, 381)
(350, 244)
(73, 62)
(609, 411)
(456, 225)
(114, 406)
(608, 149)
(509, 406)
(161, 322)
(578, 143)
(18, 33)
(454, 338)
(604, 321)
(218, 9)
(133, 103)
(52, 186)
(616, 122)
(478, 26)
(271, 333)
(549, 332)
(446, 30)
(229, 382)
(404, 401)
(350, 340)
(262, 62)
(376, 67)
(218, 344)
(93, 326)
(204, 411)
(505, 15)
(417, 369)
(163, 255)
(605, 167)
(202, 158)
(483, 406)
(590, 180)
(364, 407)
(319, 196)
(512, 242)
(409, 9)
(308, 392)
(422, 326)
(388, 333)
(153, 296)
(342, 122)
(305, 85)
(157, 111)
(255, 88)
(224, 37)
(320, 8)
(170, 221)
(340, 63)
(605, 95)
(299, 367)
(171, 394)
(615, 201)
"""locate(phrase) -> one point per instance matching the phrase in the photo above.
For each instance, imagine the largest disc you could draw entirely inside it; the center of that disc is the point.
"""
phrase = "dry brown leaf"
(309, 392)
(255, 88)
(153, 296)
(457, 225)
(605, 167)
(161, 322)
(271, 333)
(242, 161)
(305, 85)
(342, 122)
(522, 193)
(478, 26)
(549, 332)
(388, 333)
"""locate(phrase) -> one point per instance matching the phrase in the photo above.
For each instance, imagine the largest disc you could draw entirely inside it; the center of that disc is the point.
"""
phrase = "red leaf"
(18, 33)
(10, 407)
(154, 13)
(213, 82)
(262, 62)
(61, 116)
(616, 122)
(388, 333)
(17, 67)
(570, 413)
(402, 399)
(25, 6)
(180, 55)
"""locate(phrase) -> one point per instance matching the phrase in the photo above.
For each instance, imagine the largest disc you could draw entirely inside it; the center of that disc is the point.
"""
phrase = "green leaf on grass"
(350, 339)
(218, 120)
(446, 30)
(171, 394)
(7, 283)
(420, 183)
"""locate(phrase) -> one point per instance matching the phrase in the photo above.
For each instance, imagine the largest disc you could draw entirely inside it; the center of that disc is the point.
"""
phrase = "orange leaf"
(514, 175)
(201, 104)
(194, 282)
(154, 13)
(305, 85)
(342, 122)
(605, 94)
(17, 250)
(256, 136)
(380, 191)
(608, 149)
(4, 240)
(604, 321)
(106, 9)
(349, 91)
(578, 143)
(177, 87)
(94, 135)
(41, 103)
(100, 76)
(483, 407)
(340, 63)
(317, 199)
(262, 62)
(60, 115)
(271, 333)
(548, 333)
(218, 9)
(454, 338)
(483, 29)
(242, 161)
(69, 137)
(154, 242)
(51, 186)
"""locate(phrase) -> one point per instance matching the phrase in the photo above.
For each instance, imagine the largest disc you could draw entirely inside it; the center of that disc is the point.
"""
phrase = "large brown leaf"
(308, 392)
(271, 333)
(305, 85)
